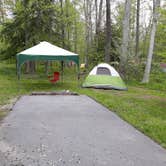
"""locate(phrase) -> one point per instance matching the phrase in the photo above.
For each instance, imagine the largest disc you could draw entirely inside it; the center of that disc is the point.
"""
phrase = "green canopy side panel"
(22, 58)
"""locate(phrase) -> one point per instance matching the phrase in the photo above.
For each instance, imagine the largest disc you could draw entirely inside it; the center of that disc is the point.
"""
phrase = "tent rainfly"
(104, 76)
(45, 51)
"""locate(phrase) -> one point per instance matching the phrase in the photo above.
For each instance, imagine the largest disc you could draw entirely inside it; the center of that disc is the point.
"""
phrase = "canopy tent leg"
(18, 70)
(62, 70)
(78, 75)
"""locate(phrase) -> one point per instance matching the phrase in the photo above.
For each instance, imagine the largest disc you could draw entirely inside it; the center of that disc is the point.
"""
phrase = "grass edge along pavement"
(140, 106)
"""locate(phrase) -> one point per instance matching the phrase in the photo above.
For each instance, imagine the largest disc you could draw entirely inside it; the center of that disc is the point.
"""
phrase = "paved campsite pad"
(71, 131)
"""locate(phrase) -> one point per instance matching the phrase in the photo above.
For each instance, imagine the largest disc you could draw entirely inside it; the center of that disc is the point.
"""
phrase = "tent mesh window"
(103, 71)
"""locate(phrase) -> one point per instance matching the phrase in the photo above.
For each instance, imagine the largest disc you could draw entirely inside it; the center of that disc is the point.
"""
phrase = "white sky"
(145, 12)
(145, 9)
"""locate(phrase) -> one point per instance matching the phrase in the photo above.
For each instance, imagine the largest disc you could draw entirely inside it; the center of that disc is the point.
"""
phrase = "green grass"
(143, 106)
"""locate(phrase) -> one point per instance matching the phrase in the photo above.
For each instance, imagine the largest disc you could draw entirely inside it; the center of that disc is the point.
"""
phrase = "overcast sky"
(145, 12)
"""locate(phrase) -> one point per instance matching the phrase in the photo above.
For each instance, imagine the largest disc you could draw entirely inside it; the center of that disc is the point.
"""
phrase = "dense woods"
(124, 33)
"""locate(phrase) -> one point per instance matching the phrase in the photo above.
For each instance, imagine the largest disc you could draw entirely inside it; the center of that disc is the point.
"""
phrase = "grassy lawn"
(142, 106)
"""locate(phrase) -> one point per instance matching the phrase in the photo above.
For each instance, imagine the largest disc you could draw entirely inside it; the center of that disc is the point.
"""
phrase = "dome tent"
(104, 76)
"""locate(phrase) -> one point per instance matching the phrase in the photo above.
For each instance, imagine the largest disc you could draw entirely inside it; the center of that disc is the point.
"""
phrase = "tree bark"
(147, 31)
(137, 31)
(108, 32)
(67, 23)
(90, 21)
(100, 15)
(88, 28)
(75, 34)
(98, 21)
(96, 13)
(2, 12)
(27, 64)
(62, 25)
(32, 67)
(125, 38)
(156, 5)
(48, 63)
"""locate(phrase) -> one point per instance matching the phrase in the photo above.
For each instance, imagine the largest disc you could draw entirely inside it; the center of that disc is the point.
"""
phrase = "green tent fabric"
(104, 76)
(45, 51)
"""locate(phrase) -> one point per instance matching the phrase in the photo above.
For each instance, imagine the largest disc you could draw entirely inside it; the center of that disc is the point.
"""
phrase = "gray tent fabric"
(103, 71)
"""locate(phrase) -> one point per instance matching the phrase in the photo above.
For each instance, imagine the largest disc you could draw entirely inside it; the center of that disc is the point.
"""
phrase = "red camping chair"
(54, 78)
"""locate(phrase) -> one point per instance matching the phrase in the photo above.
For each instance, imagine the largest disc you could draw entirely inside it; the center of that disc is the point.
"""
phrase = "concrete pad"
(71, 131)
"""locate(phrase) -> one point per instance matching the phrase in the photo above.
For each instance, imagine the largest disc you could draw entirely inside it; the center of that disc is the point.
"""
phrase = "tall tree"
(88, 27)
(98, 20)
(125, 37)
(30, 24)
(156, 5)
(160, 50)
(67, 2)
(108, 32)
(100, 15)
(62, 24)
(50, 34)
(2, 12)
(137, 30)
(96, 13)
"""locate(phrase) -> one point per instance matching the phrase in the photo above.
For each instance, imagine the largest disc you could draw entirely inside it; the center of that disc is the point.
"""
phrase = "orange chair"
(54, 78)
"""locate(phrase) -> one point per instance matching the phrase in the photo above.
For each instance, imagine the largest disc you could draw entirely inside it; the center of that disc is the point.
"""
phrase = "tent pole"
(78, 74)
(62, 70)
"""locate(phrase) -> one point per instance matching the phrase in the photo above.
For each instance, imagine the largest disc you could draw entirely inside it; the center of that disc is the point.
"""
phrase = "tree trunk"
(96, 14)
(156, 5)
(67, 23)
(125, 38)
(27, 67)
(88, 28)
(27, 64)
(62, 25)
(75, 34)
(100, 15)
(32, 67)
(137, 32)
(98, 21)
(90, 21)
(47, 66)
(108, 32)
(147, 31)
(48, 63)
(2, 17)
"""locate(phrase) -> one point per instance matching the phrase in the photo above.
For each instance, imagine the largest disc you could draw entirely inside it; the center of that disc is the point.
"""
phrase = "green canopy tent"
(45, 51)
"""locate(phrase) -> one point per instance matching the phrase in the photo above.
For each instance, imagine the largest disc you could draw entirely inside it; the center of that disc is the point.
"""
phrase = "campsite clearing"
(142, 106)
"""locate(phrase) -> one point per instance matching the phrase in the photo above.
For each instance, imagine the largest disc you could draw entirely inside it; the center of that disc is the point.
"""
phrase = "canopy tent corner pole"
(18, 66)
(78, 73)
(62, 66)
(18, 70)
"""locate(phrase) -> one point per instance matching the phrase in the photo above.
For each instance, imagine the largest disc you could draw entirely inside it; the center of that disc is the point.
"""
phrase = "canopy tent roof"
(45, 48)
(45, 51)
